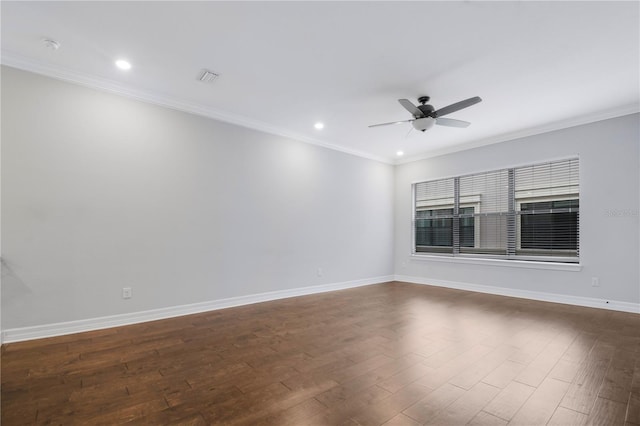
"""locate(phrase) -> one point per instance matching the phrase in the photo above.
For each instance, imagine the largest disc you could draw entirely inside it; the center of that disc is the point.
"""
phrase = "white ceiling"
(285, 65)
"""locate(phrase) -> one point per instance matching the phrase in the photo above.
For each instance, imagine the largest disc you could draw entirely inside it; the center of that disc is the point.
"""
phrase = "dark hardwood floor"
(392, 354)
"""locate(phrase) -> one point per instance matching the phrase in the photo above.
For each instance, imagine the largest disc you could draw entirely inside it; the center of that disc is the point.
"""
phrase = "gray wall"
(101, 192)
(609, 202)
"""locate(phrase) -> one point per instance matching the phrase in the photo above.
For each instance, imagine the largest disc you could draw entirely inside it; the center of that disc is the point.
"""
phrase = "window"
(523, 213)
(434, 228)
(554, 227)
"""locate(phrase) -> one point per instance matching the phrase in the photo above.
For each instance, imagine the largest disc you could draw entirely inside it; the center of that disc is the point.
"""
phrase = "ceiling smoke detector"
(207, 76)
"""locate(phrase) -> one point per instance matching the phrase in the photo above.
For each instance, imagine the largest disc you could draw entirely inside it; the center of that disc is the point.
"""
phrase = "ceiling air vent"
(51, 44)
(207, 76)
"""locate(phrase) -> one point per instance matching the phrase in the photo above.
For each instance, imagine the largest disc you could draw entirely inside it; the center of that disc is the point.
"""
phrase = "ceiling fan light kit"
(426, 116)
(423, 124)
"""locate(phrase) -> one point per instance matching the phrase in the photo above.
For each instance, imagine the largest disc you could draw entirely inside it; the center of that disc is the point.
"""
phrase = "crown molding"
(60, 73)
(531, 131)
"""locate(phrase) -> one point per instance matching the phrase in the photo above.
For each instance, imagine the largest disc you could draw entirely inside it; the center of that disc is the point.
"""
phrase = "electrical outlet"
(319, 272)
(126, 293)
(595, 282)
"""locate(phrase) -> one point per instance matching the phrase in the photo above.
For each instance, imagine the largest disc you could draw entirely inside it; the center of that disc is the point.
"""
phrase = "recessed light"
(319, 126)
(123, 64)
(399, 153)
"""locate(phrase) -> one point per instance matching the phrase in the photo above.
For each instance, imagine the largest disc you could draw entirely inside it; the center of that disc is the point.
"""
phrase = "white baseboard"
(70, 327)
(613, 305)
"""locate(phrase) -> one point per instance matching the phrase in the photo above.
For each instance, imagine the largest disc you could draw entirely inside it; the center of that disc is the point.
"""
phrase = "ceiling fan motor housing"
(427, 110)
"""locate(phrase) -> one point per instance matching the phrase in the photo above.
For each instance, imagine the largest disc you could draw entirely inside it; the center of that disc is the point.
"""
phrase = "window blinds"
(488, 194)
(433, 230)
(547, 206)
(525, 213)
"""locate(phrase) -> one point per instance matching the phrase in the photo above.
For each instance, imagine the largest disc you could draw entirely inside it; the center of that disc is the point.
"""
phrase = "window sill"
(555, 266)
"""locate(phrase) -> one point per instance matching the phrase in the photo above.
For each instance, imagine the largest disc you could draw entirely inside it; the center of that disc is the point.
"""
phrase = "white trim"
(20, 62)
(106, 85)
(70, 327)
(566, 299)
(532, 131)
(531, 264)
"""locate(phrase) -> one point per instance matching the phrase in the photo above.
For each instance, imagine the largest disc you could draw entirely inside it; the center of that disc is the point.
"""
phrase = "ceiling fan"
(425, 116)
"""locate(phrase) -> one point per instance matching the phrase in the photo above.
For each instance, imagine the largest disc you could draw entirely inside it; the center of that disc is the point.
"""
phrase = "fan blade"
(406, 103)
(450, 122)
(393, 122)
(457, 106)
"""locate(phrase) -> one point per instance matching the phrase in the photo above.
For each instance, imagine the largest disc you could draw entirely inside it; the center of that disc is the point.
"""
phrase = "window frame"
(572, 263)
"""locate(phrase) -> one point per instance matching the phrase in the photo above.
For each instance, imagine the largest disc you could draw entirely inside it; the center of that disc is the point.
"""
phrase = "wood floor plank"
(633, 408)
(533, 348)
(565, 417)
(404, 377)
(465, 408)
(437, 400)
(245, 405)
(509, 400)
(283, 404)
(481, 368)
(485, 419)
(401, 420)
(605, 411)
(565, 370)
(539, 368)
(295, 415)
(541, 405)
(584, 390)
(195, 419)
(392, 353)
(347, 373)
(617, 381)
(445, 372)
(387, 408)
(581, 347)
(407, 367)
(502, 375)
(341, 412)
